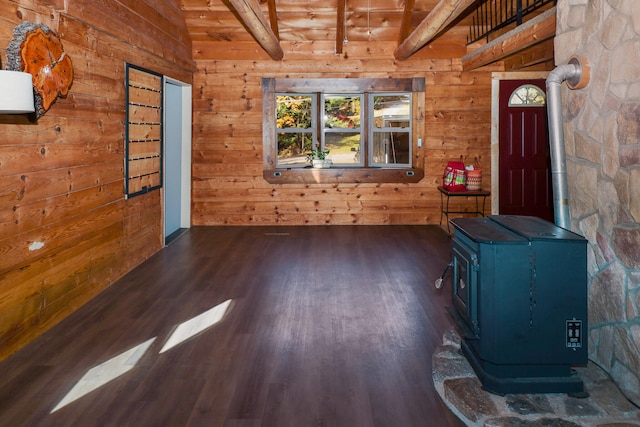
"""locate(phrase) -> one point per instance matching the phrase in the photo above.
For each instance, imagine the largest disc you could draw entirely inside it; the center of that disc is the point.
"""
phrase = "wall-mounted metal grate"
(493, 15)
(144, 130)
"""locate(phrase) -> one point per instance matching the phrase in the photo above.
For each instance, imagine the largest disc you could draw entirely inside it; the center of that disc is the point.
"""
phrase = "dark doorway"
(524, 172)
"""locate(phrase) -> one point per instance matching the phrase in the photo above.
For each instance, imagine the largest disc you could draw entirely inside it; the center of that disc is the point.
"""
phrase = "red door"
(525, 169)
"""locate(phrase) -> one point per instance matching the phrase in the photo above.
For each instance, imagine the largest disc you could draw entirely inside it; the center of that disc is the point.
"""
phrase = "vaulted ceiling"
(308, 20)
(409, 24)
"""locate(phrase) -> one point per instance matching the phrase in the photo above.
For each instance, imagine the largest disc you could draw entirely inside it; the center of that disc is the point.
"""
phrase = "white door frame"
(185, 167)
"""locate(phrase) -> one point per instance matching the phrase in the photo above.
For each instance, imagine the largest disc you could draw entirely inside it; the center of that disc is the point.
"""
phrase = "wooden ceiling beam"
(273, 17)
(535, 31)
(405, 25)
(254, 20)
(437, 20)
(340, 24)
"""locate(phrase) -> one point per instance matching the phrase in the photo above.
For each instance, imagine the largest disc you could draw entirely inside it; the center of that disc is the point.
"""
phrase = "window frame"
(343, 173)
(372, 129)
(313, 130)
(527, 101)
(328, 130)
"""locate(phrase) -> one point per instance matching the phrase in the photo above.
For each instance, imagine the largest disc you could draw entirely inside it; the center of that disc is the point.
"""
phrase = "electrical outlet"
(574, 333)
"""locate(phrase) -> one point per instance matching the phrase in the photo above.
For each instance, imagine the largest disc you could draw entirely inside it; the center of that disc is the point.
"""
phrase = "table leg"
(446, 213)
(441, 208)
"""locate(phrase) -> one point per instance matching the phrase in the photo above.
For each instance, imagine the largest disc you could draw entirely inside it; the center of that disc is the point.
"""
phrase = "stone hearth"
(462, 392)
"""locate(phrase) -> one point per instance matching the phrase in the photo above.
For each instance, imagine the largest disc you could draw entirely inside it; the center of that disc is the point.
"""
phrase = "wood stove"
(520, 300)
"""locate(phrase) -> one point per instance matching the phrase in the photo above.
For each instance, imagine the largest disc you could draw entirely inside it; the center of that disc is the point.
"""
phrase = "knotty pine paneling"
(66, 230)
(159, 38)
(228, 187)
(28, 216)
(48, 291)
(20, 159)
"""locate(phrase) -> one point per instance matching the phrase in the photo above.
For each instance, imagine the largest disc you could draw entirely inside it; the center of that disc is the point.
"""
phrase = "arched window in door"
(527, 96)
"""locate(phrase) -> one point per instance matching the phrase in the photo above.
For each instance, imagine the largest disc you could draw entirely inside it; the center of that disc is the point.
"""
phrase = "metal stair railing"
(492, 15)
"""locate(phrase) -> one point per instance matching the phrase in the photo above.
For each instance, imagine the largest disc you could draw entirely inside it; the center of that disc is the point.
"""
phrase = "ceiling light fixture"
(344, 24)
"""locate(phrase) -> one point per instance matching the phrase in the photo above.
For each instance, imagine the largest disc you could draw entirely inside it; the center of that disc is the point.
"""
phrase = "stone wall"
(602, 137)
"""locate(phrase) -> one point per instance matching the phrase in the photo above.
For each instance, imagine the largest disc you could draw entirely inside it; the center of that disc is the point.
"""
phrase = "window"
(296, 128)
(390, 132)
(371, 128)
(342, 128)
(527, 96)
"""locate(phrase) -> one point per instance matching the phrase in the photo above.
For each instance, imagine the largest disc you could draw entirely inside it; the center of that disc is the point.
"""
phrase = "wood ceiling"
(409, 24)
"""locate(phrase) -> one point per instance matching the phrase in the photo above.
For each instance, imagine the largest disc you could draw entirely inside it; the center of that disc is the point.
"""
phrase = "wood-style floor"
(326, 326)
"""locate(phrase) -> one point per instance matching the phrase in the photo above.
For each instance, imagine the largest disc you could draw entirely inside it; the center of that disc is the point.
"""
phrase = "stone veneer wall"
(602, 137)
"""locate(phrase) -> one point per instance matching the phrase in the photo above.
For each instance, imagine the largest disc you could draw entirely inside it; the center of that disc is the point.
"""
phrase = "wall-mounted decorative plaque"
(37, 50)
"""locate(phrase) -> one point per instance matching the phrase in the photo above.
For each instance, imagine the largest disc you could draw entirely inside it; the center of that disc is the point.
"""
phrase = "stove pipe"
(576, 72)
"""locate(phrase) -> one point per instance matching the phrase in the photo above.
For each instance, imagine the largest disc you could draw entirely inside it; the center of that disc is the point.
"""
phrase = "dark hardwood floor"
(327, 326)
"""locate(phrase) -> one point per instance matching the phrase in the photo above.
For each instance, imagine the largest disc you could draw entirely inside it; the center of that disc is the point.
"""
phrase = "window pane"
(342, 112)
(294, 111)
(527, 96)
(293, 148)
(344, 147)
(391, 148)
(392, 111)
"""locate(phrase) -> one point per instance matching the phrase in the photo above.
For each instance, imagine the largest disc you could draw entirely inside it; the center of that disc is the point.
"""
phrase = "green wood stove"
(520, 300)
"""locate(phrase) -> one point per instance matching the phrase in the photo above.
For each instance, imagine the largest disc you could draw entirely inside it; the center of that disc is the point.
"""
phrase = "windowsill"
(336, 175)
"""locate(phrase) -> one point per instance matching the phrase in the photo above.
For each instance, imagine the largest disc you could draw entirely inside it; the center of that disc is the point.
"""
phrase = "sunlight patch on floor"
(102, 374)
(195, 325)
(117, 366)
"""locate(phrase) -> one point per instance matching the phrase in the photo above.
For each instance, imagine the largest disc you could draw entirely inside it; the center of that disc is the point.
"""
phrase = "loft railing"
(492, 15)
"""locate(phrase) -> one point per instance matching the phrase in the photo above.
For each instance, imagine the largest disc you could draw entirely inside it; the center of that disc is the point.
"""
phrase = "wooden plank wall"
(66, 230)
(228, 187)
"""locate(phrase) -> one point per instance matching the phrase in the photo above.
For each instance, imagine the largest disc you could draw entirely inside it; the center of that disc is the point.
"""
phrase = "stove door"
(465, 284)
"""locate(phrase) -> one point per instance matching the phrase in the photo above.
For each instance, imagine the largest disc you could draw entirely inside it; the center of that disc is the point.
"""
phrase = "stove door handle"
(474, 262)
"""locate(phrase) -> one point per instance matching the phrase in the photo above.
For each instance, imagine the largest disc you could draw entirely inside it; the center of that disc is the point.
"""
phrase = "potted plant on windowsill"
(318, 158)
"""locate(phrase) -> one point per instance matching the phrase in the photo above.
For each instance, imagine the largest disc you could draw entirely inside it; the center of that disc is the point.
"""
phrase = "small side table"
(444, 209)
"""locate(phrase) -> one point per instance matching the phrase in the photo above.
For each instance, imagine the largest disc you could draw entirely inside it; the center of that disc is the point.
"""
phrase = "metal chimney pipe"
(577, 76)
